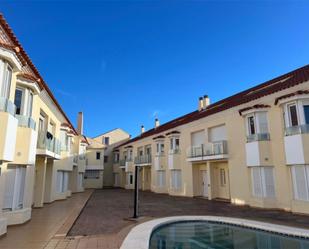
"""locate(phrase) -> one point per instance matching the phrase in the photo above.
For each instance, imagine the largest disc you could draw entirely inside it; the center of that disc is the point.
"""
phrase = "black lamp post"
(135, 215)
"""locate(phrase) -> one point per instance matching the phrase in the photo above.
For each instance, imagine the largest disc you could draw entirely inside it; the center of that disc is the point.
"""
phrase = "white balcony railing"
(75, 159)
(297, 129)
(258, 137)
(24, 121)
(7, 106)
(145, 159)
(174, 151)
(51, 144)
(210, 149)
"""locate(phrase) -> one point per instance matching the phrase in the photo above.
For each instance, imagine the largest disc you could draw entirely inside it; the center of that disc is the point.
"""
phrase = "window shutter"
(262, 119)
(10, 175)
(59, 181)
(256, 182)
(22, 179)
(269, 186)
(300, 182)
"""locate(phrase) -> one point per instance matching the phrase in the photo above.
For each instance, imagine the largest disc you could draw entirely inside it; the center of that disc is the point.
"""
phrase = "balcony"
(174, 159)
(8, 130)
(258, 150)
(206, 152)
(143, 160)
(26, 141)
(49, 147)
(122, 163)
(296, 143)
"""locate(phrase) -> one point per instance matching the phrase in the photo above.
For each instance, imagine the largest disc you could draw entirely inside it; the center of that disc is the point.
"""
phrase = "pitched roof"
(277, 84)
(21, 53)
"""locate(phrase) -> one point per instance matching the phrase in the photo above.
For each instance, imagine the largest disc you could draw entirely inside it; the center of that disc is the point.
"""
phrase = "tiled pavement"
(104, 222)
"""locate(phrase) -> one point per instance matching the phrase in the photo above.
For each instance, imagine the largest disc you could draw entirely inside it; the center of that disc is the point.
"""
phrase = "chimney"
(200, 103)
(157, 123)
(142, 129)
(206, 101)
(80, 123)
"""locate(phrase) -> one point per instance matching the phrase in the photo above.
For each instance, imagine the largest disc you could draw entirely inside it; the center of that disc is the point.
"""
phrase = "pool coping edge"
(139, 236)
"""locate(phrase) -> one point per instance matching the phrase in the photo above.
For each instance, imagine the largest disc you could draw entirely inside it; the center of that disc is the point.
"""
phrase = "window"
(160, 148)
(174, 143)
(105, 159)
(222, 177)
(29, 105)
(106, 140)
(129, 178)
(92, 174)
(80, 180)
(15, 178)
(116, 157)
(306, 113)
(263, 182)
(251, 125)
(300, 178)
(5, 79)
(293, 115)
(42, 126)
(62, 181)
(176, 179)
(161, 178)
(18, 100)
(98, 155)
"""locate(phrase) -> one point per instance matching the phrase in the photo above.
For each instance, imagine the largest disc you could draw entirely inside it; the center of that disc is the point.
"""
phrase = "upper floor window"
(98, 155)
(257, 126)
(296, 116)
(23, 101)
(116, 157)
(174, 143)
(5, 79)
(148, 150)
(160, 147)
(106, 140)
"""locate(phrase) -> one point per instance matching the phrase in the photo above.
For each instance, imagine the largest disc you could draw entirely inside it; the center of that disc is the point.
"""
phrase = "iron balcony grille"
(297, 129)
(143, 159)
(24, 121)
(7, 106)
(210, 149)
(51, 144)
(258, 137)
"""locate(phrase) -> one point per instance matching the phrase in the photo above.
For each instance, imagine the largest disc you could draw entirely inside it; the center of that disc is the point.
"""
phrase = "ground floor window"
(92, 174)
(80, 178)
(161, 178)
(300, 177)
(15, 179)
(263, 182)
(116, 179)
(176, 179)
(129, 178)
(62, 181)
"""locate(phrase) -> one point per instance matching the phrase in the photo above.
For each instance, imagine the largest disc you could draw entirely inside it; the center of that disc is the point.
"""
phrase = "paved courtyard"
(104, 221)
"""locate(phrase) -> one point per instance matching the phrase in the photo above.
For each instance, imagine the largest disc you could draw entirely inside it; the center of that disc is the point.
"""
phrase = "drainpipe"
(135, 214)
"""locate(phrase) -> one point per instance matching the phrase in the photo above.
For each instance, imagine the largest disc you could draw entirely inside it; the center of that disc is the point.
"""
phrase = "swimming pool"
(214, 235)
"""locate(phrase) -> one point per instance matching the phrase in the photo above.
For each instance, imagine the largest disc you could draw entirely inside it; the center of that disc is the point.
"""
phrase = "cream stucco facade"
(42, 156)
(248, 149)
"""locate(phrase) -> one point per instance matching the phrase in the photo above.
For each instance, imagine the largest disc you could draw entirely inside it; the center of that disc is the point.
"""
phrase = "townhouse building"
(248, 149)
(42, 156)
(100, 159)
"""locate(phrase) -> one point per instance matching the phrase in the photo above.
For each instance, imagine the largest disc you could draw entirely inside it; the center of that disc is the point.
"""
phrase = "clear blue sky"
(122, 63)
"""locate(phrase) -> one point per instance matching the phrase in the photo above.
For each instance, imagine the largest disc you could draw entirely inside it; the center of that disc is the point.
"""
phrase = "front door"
(223, 186)
(204, 183)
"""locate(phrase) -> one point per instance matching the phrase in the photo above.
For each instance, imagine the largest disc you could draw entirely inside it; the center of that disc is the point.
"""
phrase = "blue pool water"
(210, 235)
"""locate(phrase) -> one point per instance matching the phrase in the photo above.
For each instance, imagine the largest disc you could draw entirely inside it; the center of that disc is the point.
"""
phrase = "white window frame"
(161, 178)
(5, 84)
(295, 181)
(176, 180)
(257, 123)
(265, 192)
(14, 191)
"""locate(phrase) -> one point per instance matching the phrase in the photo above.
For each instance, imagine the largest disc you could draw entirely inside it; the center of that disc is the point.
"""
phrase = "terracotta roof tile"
(277, 84)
